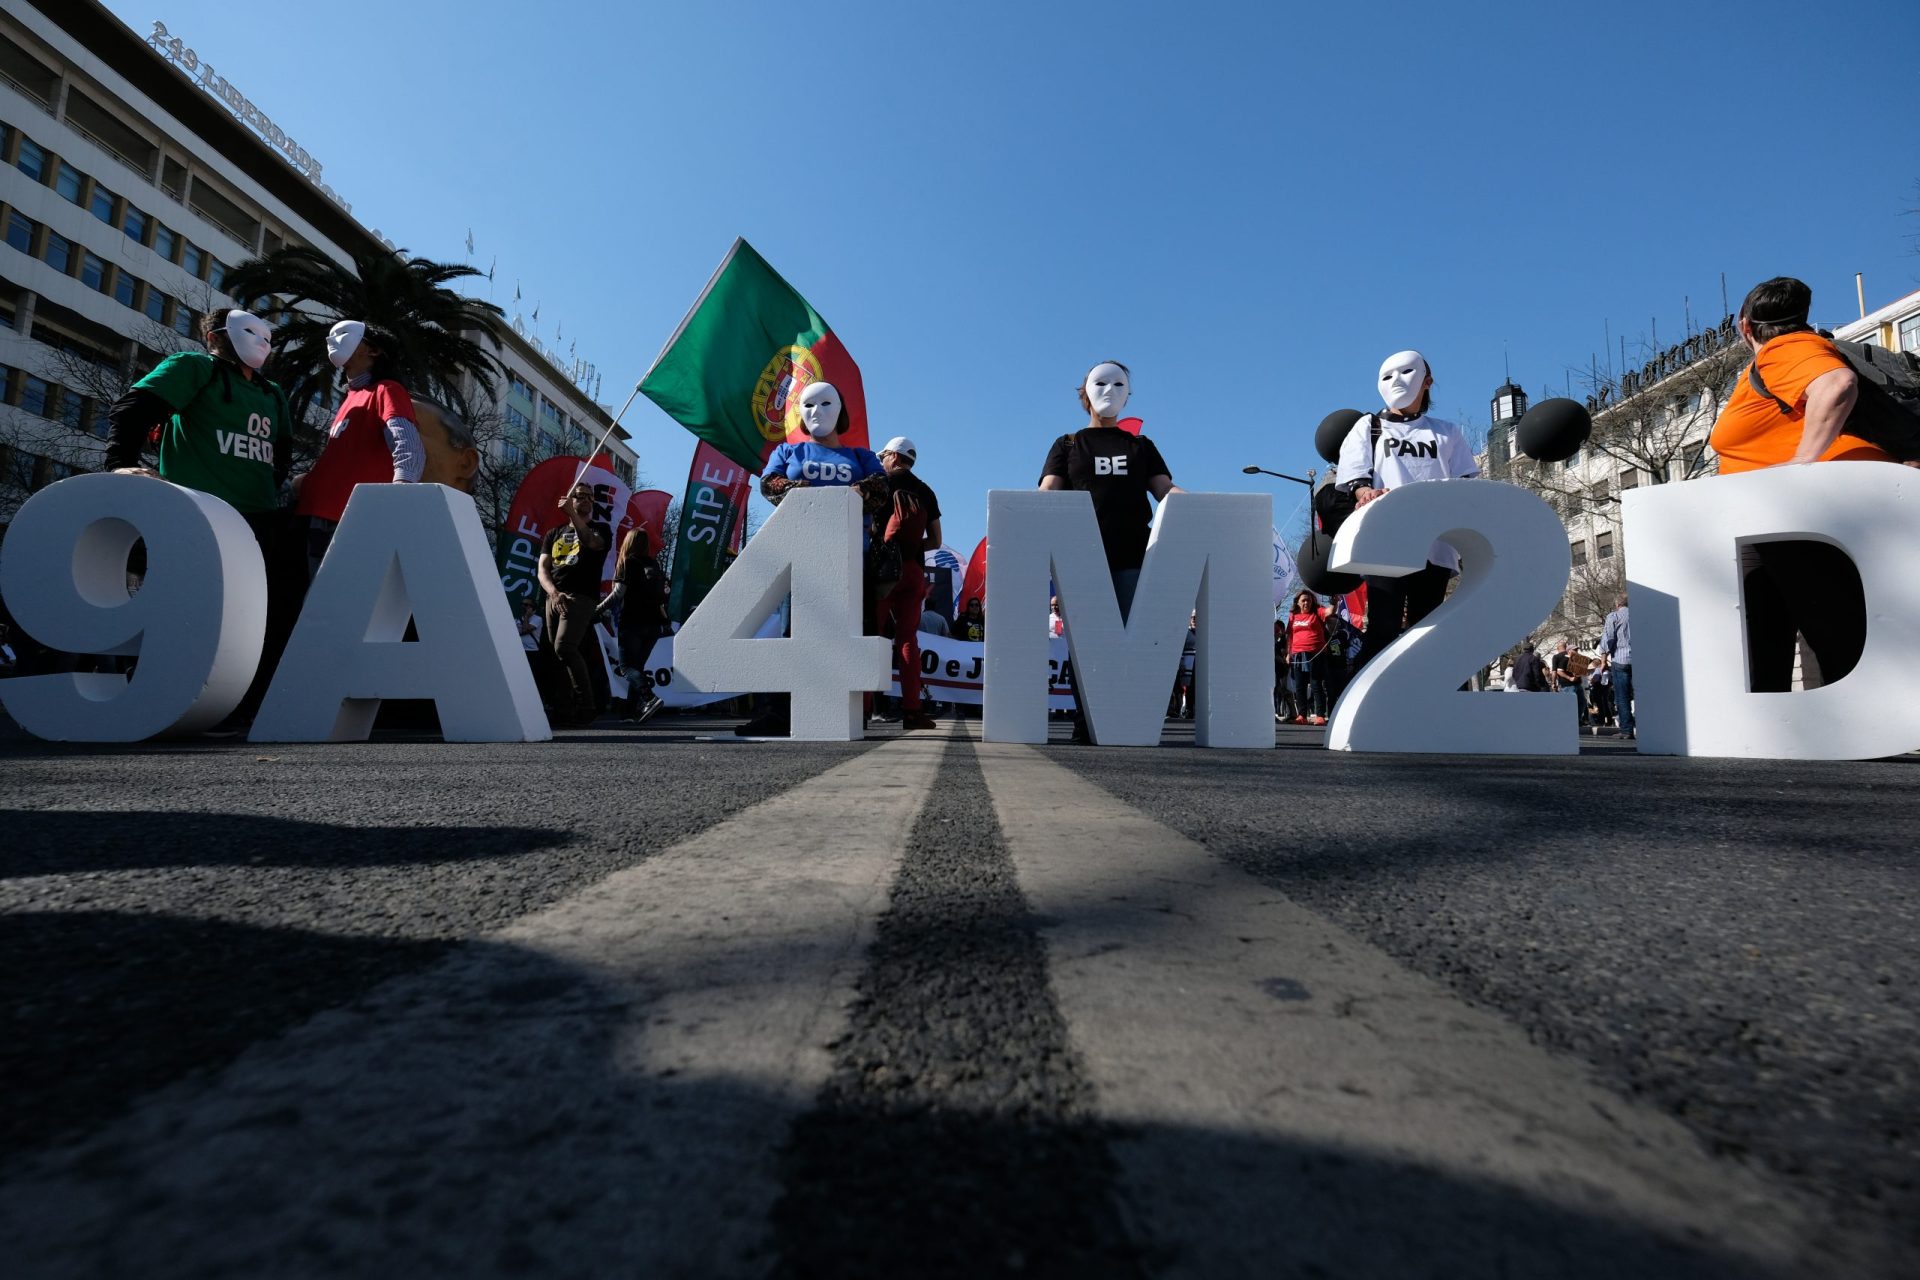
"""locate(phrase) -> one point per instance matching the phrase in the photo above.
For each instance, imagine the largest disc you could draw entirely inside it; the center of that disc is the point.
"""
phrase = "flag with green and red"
(733, 371)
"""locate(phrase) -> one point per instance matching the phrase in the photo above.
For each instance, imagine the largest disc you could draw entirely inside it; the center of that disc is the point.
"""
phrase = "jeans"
(1623, 696)
(1306, 678)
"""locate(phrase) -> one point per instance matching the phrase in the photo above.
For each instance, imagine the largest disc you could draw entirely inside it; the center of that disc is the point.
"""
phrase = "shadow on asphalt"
(70, 842)
(143, 999)
(468, 1154)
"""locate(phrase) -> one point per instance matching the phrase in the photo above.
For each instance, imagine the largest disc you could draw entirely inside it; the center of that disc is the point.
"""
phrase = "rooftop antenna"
(1506, 359)
(1860, 291)
(1725, 310)
(1686, 305)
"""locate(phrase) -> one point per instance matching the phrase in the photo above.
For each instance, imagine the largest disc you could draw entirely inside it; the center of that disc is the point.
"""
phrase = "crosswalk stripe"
(603, 1084)
(1252, 1056)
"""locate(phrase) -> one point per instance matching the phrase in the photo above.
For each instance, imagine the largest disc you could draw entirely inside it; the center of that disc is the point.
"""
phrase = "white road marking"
(1238, 1039)
(600, 1088)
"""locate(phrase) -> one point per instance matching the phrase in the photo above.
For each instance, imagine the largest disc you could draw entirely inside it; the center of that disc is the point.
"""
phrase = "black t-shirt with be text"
(1114, 467)
(576, 569)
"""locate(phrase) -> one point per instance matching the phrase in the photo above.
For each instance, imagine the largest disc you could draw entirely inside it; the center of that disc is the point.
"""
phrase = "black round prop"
(1310, 561)
(1333, 428)
(1554, 430)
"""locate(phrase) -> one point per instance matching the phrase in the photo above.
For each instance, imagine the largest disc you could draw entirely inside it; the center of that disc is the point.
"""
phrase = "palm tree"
(431, 326)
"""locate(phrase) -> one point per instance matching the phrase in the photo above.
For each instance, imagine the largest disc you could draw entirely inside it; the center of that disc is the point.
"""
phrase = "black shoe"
(649, 711)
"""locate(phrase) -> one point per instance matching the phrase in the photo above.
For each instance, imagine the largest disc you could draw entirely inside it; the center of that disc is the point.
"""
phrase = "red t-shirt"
(356, 451)
(1306, 632)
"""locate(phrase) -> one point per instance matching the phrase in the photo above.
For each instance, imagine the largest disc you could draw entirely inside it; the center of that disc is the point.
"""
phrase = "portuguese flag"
(733, 371)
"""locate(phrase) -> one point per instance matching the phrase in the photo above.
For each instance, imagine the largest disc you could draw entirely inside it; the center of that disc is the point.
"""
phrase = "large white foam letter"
(1514, 561)
(1209, 552)
(196, 624)
(404, 551)
(809, 548)
(1689, 641)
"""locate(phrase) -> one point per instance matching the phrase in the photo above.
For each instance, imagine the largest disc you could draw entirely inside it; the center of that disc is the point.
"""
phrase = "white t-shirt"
(1409, 453)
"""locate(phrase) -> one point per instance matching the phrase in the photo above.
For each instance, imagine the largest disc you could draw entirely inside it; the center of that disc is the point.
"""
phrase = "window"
(93, 271)
(68, 182)
(1571, 463)
(216, 272)
(183, 319)
(1597, 496)
(512, 453)
(521, 386)
(1579, 550)
(102, 204)
(1629, 478)
(515, 418)
(155, 305)
(1695, 462)
(1603, 545)
(1910, 334)
(71, 408)
(20, 231)
(165, 242)
(194, 260)
(59, 252)
(125, 287)
(549, 444)
(33, 394)
(135, 225)
(32, 161)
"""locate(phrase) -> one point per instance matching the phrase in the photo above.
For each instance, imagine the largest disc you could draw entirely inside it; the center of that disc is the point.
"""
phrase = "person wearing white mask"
(823, 458)
(224, 428)
(1384, 451)
(1120, 471)
(373, 438)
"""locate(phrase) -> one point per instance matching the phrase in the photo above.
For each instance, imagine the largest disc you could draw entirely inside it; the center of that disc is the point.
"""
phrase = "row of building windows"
(1602, 548)
(31, 471)
(517, 385)
(37, 240)
(88, 193)
(48, 399)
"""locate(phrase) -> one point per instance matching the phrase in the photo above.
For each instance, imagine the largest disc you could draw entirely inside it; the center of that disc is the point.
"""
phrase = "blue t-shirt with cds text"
(818, 465)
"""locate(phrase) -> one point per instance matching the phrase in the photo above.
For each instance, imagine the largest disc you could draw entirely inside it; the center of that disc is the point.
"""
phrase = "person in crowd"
(1529, 673)
(225, 429)
(973, 621)
(373, 439)
(571, 557)
(1182, 708)
(934, 623)
(912, 529)
(1309, 649)
(1121, 472)
(1616, 642)
(1401, 446)
(1797, 587)
(824, 458)
(1563, 676)
(1056, 625)
(1599, 681)
(640, 595)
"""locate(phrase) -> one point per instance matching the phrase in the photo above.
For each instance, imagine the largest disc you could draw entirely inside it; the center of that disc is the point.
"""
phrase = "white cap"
(902, 446)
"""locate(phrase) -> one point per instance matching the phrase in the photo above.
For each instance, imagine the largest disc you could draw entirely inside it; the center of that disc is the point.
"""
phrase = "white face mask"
(820, 409)
(343, 340)
(1403, 376)
(1107, 389)
(251, 338)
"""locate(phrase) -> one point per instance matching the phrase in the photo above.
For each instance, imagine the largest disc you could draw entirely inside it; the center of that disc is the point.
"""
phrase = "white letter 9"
(196, 625)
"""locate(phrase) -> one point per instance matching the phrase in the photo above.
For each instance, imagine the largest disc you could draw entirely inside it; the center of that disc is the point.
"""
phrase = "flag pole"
(588, 460)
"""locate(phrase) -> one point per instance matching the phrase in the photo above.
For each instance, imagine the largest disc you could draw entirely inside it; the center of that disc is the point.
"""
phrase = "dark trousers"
(1415, 595)
(637, 639)
(570, 625)
(281, 535)
(1808, 589)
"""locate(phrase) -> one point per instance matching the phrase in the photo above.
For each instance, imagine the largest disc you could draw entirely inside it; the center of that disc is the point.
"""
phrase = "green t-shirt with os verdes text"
(226, 430)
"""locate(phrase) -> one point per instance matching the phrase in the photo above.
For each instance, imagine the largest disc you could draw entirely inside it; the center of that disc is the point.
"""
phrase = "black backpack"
(1333, 503)
(1887, 410)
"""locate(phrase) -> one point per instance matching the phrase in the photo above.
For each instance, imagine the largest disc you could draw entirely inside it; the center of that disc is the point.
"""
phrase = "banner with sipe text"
(713, 524)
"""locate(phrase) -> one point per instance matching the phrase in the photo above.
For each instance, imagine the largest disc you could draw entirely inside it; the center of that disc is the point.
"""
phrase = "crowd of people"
(215, 423)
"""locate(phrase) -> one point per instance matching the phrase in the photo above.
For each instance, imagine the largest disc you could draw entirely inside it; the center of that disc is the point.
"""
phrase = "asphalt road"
(1726, 948)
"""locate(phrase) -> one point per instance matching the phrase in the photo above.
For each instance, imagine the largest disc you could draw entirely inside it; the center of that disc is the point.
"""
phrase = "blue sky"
(1250, 205)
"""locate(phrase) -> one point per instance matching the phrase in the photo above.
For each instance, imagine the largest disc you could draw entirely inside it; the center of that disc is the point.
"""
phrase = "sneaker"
(647, 712)
(1316, 719)
(914, 721)
(1298, 720)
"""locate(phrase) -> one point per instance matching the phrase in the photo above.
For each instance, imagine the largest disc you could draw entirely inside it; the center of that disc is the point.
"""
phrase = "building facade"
(133, 178)
(1895, 326)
